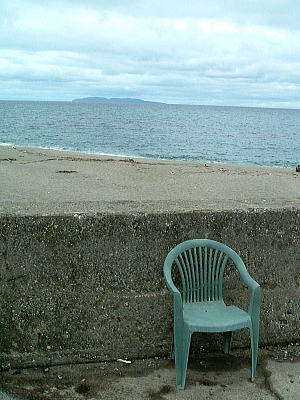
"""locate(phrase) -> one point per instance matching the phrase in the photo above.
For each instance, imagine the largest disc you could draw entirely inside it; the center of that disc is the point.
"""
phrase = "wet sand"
(40, 181)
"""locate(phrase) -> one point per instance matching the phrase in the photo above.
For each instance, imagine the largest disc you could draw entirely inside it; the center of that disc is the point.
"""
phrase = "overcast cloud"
(234, 52)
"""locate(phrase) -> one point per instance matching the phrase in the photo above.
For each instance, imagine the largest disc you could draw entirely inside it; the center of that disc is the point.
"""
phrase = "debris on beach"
(298, 168)
(66, 172)
(123, 361)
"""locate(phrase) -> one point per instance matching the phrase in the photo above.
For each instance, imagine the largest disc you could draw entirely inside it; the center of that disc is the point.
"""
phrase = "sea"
(205, 134)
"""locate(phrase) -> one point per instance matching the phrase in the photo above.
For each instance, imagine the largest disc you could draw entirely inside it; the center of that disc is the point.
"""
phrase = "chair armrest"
(177, 298)
(246, 278)
(168, 278)
(254, 303)
(178, 306)
(254, 291)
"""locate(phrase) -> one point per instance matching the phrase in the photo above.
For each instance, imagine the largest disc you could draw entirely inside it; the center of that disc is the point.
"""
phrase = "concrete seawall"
(90, 287)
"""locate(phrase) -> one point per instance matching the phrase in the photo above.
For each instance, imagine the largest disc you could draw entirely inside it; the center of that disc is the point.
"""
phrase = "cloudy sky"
(219, 52)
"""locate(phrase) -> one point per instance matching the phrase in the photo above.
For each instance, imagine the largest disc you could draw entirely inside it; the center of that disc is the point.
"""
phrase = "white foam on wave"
(175, 159)
(70, 150)
(6, 144)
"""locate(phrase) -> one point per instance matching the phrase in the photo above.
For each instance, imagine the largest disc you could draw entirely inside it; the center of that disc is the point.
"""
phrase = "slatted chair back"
(200, 265)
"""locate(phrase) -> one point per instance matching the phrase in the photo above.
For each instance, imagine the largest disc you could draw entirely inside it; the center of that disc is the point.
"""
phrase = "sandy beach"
(46, 181)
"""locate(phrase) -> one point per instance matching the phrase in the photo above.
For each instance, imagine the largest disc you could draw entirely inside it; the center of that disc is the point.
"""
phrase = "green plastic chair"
(198, 299)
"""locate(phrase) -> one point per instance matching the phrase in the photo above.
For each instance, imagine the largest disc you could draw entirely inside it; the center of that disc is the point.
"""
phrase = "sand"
(42, 181)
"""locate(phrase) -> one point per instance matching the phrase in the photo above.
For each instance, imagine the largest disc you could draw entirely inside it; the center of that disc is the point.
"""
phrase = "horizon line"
(150, 101)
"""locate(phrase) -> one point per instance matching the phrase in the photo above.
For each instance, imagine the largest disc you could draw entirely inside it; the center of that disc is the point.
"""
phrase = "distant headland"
(114, 100)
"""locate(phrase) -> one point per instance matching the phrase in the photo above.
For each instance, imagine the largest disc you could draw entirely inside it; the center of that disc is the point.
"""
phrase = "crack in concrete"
(268, 383)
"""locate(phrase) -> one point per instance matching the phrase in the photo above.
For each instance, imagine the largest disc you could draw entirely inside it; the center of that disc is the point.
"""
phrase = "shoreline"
(58, 181)
(66, 154)
(137, 157)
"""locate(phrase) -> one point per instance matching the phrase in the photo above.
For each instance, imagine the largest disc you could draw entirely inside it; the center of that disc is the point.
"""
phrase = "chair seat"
(214, 316)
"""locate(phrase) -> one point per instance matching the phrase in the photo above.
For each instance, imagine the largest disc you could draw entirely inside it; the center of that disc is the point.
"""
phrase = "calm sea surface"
(232, 135)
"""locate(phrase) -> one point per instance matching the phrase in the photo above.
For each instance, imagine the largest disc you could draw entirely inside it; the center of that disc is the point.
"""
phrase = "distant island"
(114, 100)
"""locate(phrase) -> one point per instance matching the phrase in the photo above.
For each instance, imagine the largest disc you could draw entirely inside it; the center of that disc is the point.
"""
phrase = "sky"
(213, 52)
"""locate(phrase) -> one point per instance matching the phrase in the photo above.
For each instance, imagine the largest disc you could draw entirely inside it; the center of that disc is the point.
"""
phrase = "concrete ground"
(210, 376)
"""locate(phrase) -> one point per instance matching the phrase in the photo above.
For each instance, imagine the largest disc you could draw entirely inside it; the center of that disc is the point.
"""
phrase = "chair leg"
(182, 348)
(172, 352)
(254, 332)
(227, 336)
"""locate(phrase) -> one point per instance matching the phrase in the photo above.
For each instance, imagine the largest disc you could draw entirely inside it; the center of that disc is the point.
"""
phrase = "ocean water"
(231, 135)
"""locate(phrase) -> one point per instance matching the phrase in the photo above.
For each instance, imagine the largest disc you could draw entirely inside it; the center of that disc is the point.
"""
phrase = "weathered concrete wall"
(91, 287)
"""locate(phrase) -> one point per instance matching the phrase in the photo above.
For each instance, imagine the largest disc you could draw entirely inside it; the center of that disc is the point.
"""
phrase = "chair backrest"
(201, 264)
